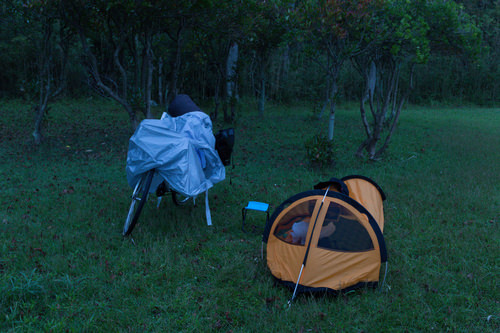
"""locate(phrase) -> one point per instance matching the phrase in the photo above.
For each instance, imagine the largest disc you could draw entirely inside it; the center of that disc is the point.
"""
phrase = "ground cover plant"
(65, 266)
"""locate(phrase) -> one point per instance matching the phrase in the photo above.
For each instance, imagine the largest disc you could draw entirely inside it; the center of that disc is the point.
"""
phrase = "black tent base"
(321, 291)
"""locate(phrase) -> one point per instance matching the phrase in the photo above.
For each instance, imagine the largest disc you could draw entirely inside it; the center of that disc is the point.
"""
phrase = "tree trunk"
(178, 59)
(40, 111)
(397, 112)
(165, 94)
(331, 121)
(149, 76)
(144, 69)
(262, 97)
(263, 61)
(176, 70)
(232, 103)
(217, 98)
(93, 69)
(123, 72)
(232, 60)
(160, 82)
(327, 100)
(47, 77)
(387, 110)
(231, 81)
(395, 119)
(137, 66)
(131, 115)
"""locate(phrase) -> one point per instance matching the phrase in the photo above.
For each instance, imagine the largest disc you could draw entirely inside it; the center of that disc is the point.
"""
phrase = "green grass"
(65, 266)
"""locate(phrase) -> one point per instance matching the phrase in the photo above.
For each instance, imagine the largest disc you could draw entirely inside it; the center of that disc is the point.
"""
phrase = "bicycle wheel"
(139, 198)
(179, 199)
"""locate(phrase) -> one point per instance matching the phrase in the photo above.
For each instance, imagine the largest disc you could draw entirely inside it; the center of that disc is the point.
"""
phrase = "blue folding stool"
(254, 205)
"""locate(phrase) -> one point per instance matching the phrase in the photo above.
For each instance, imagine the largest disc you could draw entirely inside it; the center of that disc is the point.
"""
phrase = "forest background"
(142, 53)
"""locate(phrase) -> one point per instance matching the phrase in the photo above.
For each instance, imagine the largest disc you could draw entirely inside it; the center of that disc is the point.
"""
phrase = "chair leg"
(244, 215)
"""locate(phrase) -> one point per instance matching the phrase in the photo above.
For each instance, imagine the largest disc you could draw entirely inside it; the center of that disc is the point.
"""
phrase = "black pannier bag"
(224, 142)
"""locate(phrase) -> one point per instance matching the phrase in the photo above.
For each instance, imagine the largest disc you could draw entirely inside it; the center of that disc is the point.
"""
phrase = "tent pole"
(385, 275)
(296, 285)
(307, 250)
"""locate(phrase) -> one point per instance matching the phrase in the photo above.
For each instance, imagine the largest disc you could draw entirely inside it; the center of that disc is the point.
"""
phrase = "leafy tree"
(215, 44)
(182, 18)
(15, 51)
(403, 35)
(105, 34)
(335, 29)
(48, 40)
(121, 38)
(457, 78)
(117, 40)
(268, 29)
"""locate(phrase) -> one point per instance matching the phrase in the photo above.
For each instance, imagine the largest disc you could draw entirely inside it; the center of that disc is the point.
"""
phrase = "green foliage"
(320, 151)
(417, 31)
(451, 30)
(267, 26)
(336, 28)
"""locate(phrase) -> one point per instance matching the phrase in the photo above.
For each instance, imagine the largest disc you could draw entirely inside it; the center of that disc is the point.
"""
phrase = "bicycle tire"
(139, 198)
(179, 199)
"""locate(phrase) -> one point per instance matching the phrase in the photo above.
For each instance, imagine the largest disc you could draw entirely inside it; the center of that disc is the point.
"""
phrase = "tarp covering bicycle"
(176, 154)
(181, 149)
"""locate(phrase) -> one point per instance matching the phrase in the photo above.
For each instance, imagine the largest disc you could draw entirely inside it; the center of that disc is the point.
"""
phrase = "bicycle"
(162, 157)
(140, 196)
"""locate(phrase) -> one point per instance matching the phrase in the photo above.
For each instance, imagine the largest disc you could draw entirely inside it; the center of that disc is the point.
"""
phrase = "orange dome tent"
(329, 238)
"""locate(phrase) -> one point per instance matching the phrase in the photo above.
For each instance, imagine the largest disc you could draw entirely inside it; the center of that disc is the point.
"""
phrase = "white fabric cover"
(182, 149)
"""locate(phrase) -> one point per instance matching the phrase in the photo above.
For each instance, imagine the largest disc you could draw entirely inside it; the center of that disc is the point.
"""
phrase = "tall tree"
(184, 20)
(403, 35)
(269, 26)
(216, 40)
(117, 40)
(335, 29)
(50, 40)
(15, 51)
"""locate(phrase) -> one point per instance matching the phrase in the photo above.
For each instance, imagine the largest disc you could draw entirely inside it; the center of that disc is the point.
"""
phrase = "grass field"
(64, 265)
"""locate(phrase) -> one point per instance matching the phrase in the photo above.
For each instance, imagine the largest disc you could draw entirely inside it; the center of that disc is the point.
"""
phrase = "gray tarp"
(181, 149)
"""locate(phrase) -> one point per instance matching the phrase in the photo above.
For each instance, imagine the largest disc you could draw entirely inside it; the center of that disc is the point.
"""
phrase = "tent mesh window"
(342, 231)
(293, 227)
